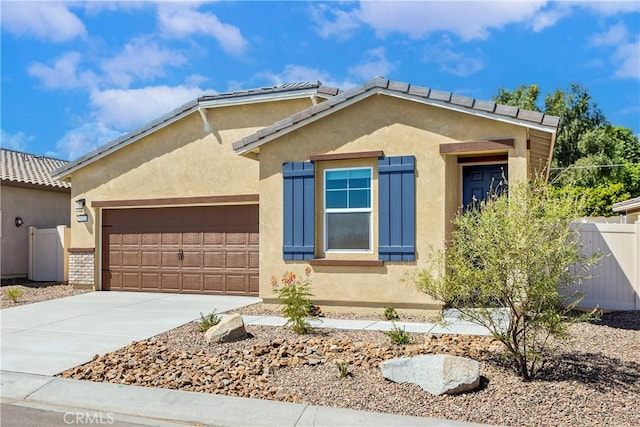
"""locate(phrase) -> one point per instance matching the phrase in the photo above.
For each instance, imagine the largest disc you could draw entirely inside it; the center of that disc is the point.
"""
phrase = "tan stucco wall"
(398, 127)
(179, 160)
(37, 208)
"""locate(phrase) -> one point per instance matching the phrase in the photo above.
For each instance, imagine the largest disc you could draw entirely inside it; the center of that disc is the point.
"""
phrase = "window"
(347, 204)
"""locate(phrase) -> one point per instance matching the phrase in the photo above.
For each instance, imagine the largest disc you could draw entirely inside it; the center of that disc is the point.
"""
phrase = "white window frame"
(347, 210)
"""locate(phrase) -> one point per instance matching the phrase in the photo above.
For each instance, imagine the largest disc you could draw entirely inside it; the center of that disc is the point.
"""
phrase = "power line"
(596, 166)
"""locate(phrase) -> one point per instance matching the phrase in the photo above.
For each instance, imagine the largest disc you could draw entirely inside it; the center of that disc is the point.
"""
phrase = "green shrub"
(343, 369)
(398, 336)
(208, 321)
(296, 300)
(512, 265)
(13, 293)
(390, 313)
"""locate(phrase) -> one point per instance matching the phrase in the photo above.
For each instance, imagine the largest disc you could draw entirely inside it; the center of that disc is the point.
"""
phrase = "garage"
(195, 249)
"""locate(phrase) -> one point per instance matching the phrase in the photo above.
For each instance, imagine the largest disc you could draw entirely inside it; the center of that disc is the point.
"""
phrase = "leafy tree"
(523, 97)
(519, 256)
(578, 115)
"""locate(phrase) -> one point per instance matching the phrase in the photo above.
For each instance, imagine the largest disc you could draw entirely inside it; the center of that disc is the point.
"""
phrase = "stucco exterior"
(177, 161)
(399, 128)
(40, 207)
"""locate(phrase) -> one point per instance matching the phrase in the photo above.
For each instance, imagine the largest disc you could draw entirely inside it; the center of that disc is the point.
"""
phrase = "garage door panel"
(236, 259)
(149, 281)
(131, 259)
(150, 259)
(150, 239)
(192, 282)
(237, 283)
(218, 245)
(192, 259)
(170, 282)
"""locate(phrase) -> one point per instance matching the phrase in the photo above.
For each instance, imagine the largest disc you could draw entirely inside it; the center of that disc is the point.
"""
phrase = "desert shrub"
(512, 265)
(13, 293)
(208, 321)
(296, 300)
(343, 369)
(390, 313)
(398, 335)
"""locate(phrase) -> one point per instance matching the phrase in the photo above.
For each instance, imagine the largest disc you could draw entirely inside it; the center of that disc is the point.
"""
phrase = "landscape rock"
(437, 374)
(231, 328)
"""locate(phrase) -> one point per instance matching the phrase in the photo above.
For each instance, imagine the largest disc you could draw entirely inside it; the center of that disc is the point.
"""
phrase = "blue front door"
(478, 180)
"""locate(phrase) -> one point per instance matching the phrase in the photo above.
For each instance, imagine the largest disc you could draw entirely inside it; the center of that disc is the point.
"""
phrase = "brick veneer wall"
(81, 266)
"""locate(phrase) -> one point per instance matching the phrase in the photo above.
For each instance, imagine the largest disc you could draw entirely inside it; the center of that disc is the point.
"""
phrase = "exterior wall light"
(80, 204)
(19, 221)
(82, 218)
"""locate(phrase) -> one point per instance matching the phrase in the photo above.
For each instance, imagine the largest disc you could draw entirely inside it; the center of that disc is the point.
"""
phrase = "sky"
(76, 75)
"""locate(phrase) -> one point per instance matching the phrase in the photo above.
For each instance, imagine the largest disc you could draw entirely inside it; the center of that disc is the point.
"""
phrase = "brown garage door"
(205, 249)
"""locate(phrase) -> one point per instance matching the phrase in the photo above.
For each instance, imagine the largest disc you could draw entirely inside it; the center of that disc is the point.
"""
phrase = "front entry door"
(479, 180)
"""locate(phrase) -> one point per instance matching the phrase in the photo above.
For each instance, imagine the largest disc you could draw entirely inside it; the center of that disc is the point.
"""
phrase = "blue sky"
(76, 75)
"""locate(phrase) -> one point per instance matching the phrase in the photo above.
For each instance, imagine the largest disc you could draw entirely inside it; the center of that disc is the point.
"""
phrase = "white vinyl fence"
(615, 281)
(46, 254)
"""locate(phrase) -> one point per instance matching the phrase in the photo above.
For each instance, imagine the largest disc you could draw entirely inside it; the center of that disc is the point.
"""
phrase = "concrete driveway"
(49, 337)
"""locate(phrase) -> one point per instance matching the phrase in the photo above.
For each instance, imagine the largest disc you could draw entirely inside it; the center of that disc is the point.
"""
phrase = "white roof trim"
(627, 205)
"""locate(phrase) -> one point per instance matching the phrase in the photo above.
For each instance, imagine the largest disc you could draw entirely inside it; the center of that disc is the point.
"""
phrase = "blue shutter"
(397, 208)
(299, 210)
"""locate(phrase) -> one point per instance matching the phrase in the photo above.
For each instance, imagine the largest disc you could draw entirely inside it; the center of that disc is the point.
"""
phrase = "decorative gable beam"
(476, 146)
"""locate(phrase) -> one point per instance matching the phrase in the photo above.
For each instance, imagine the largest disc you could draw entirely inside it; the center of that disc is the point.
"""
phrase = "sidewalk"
(163, 407)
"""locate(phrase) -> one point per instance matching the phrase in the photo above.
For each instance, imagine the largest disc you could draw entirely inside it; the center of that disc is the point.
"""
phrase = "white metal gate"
(46, 254)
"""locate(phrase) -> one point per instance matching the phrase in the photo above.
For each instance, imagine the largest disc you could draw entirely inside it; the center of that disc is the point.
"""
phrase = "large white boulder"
(230, 328)
(437, 374)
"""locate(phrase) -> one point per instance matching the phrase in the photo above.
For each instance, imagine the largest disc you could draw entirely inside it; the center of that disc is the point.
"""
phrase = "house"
(29, 197)
(630, 208)
(358, 184)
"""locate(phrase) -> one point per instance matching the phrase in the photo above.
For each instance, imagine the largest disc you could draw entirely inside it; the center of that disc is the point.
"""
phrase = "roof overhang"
(200, 104)
(631, 205)
(320, 111)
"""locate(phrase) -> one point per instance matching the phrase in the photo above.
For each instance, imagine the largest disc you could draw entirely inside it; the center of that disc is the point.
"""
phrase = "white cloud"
(451, 61)
(50, 21)
(550, 16)
(625, 58)
(15, 141)
(63, 74)
(141, 59)
(375, 64)
(615, 35)
(469, 20)
(83, 139)
(179, 20)
(126, 109)
(334, 22)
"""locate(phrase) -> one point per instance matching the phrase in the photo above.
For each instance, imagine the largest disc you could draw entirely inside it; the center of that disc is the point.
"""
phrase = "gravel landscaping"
(595, 381)
(35, 291)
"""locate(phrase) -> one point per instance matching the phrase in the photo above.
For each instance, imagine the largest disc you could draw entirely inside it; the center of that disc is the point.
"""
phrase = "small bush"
(390, 313)
(343, 369)
(14, 293)
(296, 299)
(398, 336)
(208, 321)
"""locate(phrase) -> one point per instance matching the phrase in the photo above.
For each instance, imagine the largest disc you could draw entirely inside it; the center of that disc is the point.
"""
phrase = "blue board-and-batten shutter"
(299, 211)
(397, 208)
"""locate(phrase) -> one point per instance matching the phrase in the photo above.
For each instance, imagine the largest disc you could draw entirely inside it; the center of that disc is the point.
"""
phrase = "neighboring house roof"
(505, 113)
(30, 169)
(630, 205)
(251, 96)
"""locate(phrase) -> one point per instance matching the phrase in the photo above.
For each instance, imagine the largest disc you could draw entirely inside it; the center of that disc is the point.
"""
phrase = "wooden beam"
(476, 146)
(204, 200)
(347, 156)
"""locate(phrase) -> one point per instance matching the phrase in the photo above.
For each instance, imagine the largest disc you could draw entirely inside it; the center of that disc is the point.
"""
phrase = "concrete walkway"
(43, 339)
(52, 336)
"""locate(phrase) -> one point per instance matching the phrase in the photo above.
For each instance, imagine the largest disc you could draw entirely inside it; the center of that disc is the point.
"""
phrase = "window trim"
(325, 212)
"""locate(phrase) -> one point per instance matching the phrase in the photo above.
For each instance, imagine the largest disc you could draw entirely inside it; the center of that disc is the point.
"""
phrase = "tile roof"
(188, 108)
(429, 96)
(28, 168)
